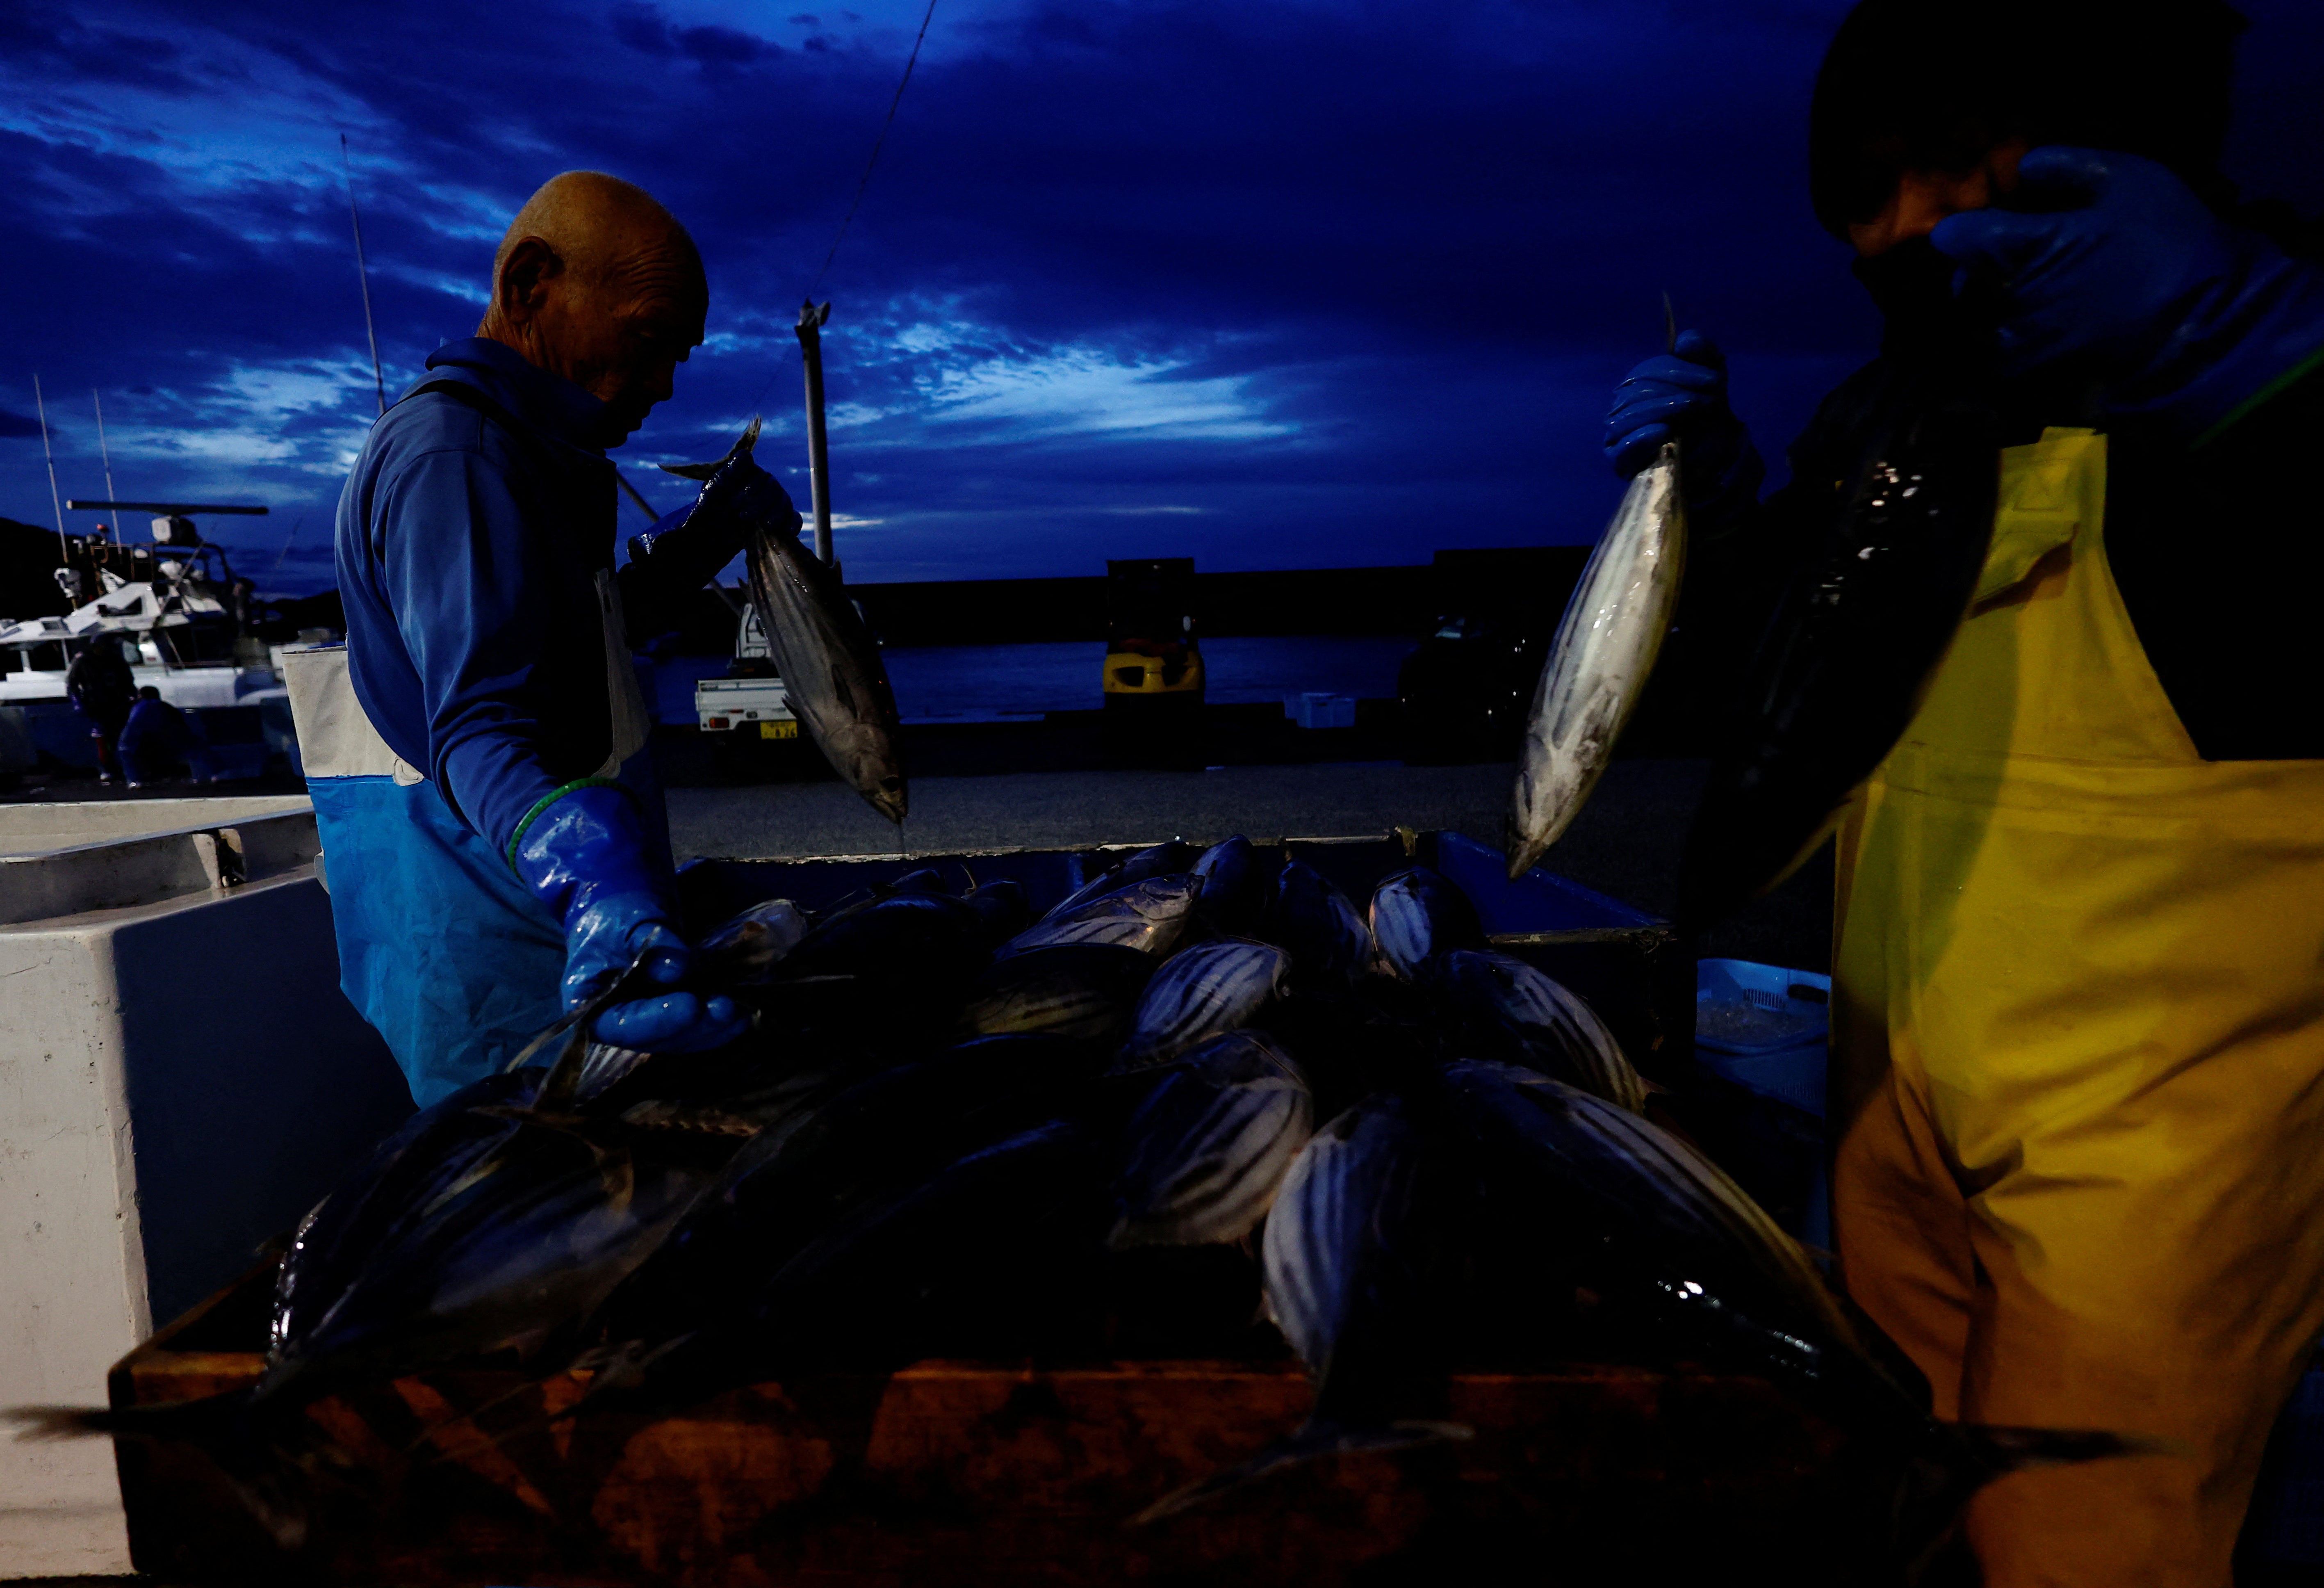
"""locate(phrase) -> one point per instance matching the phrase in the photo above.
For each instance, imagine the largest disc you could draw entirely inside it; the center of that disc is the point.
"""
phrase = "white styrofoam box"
(1321, 710)
(180, 1078)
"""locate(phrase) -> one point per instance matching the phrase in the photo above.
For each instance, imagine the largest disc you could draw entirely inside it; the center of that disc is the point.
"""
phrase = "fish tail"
(1318, 1441)
(1995, 1450)
(202, 1419)
(1955, 1460)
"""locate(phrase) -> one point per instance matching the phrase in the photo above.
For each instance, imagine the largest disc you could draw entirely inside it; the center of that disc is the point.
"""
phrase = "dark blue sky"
(1274, 283)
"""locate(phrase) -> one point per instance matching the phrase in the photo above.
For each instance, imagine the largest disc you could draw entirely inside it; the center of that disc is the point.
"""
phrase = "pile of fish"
(1205, 1088)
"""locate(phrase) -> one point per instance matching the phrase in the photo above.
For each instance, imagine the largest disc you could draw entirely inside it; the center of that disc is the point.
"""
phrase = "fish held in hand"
(1206, 990)
(1600, 662)
(1208, 1149)
(1521, 1016)
(1418, 914)
(832, 675)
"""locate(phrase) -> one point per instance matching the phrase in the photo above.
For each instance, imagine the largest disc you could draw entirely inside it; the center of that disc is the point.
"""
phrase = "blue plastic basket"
(1747, 1009)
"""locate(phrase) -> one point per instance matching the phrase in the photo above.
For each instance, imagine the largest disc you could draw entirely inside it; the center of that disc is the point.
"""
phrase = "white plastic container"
(1321, 710)
(180, 1079)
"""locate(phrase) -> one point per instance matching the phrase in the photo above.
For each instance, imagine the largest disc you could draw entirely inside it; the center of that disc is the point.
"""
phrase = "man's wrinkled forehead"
(659, 273)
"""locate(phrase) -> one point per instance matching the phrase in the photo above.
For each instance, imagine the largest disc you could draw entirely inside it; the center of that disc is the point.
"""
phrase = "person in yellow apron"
(2078, 985)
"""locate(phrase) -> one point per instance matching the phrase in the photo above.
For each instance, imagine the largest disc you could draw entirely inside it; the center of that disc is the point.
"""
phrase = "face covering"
(1913, 287)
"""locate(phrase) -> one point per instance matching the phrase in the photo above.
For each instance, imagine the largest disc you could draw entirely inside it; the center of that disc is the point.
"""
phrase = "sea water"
(1001, 683)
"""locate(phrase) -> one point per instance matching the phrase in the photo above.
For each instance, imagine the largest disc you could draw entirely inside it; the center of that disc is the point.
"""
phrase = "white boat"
(172, 608)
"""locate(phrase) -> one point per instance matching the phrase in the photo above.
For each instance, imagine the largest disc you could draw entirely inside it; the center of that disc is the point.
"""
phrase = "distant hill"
(28, 567)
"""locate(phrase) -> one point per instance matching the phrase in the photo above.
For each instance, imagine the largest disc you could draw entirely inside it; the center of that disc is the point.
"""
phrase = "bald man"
(492, 837)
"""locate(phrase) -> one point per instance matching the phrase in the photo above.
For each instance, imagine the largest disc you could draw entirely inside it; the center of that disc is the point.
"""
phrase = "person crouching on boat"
(2079, 988)
(159, 741)
(492, 835)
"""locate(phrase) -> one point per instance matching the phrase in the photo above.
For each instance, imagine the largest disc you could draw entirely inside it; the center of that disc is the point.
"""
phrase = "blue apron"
(442, 948)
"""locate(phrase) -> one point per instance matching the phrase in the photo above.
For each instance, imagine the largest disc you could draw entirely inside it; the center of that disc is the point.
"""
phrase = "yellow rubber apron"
(2079, 1033)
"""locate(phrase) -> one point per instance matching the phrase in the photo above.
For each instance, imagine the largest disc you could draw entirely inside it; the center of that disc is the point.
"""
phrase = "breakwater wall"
(1526, 582)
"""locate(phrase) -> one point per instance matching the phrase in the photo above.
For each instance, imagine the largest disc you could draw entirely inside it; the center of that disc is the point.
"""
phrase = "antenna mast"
(106, 453)
(40, 402)
(362, 273)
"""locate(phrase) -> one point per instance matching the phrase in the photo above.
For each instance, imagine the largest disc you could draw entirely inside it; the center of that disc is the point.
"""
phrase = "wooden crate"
(978, 1473)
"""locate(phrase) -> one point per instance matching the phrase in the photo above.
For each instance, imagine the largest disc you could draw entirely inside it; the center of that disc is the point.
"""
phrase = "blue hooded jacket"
(469, 538)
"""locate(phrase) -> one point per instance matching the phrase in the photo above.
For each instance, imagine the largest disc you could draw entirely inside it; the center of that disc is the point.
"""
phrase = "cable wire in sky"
(877, 144)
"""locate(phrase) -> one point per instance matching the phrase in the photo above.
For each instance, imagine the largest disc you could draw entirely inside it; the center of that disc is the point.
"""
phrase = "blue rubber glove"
(1682, 395)
(708, 532)
(2110, 264)
(585, 857)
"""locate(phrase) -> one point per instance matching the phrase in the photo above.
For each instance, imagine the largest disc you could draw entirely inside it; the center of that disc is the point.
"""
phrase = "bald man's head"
(598, 283)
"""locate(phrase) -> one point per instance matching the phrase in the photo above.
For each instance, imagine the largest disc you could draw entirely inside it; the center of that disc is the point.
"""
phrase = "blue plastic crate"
(1767, 1029)
(1747, 1009)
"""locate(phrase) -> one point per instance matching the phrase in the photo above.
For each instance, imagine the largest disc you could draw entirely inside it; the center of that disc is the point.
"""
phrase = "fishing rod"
(811, 322)
(644, 506)
(363, 274)
(106, 453)
(286, 547)
(64, 547)
(813, 316)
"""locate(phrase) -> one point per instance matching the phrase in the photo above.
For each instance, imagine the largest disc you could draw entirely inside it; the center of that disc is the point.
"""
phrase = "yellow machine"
(1151, 654)
(1141, 666)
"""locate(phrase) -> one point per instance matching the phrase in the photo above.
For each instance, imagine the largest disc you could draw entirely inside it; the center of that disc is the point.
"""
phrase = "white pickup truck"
(753, 694)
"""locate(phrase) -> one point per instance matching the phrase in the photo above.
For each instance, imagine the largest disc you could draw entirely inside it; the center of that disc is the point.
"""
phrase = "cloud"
(1351, 283)
(1087, 390)
(18, 424)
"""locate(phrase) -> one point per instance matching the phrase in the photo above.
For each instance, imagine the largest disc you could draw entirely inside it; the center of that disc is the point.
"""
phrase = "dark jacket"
(2218, 550)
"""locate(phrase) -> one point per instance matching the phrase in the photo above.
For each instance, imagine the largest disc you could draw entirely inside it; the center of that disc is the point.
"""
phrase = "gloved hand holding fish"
(584, 858)
(738, 499)
(1681, 397)
(929, 1138)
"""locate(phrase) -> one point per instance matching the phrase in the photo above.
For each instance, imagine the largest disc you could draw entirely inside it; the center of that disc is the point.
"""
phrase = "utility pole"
(64, 548)
(811, 321)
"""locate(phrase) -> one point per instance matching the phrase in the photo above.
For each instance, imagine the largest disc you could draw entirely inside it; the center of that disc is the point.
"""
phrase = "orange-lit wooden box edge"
(959, 1472)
